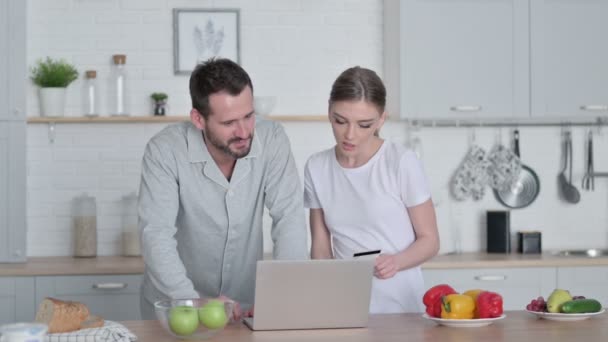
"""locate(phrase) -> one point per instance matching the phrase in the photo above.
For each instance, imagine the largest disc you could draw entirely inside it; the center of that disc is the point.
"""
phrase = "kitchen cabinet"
(569, 57)
(16, 299)
(591, 281)
(12, 191)
(518, 286)
(12, 130)
(457, 59)
(114, 297)
(12, 59)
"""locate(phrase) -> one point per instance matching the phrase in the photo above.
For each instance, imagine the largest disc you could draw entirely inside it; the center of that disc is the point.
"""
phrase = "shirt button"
(230, 193)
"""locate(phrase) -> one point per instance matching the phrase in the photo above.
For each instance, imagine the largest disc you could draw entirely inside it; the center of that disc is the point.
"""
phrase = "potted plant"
(53, 77)
(160, 100)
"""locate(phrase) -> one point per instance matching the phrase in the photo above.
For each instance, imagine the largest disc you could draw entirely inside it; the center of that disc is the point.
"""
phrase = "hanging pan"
(525, 189)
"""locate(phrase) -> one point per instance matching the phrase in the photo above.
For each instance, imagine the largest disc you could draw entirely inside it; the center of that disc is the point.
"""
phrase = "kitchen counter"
(39, 266)
(517, 326)
(491, 260)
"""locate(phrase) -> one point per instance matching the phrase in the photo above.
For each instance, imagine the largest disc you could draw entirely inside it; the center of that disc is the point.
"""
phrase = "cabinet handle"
(465, 108)
(491, 277)
(110, 286)
(594, 108)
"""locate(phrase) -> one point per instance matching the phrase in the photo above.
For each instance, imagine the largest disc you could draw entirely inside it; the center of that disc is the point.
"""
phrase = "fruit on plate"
(432, 299)
(213, 315)
(183, 320)
(581, 306)
(457, 306)
(556, 299)
(538, 305)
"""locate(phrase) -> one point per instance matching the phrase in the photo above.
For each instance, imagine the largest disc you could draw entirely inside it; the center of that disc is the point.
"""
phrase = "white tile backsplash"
(292, 49)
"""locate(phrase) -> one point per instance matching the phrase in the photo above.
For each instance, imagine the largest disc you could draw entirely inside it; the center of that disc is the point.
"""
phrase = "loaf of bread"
(92, 322)
(65, 316)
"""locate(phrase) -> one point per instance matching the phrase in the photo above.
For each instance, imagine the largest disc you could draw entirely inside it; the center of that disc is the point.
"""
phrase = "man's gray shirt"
(202, 234)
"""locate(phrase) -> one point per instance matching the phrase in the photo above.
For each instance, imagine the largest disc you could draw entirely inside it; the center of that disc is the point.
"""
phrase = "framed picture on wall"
(199, 34)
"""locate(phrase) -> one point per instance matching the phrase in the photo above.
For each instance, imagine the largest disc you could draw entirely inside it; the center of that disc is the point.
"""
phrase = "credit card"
(377, 251)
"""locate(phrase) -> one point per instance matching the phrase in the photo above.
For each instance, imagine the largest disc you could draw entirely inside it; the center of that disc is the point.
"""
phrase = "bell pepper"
(457, 306)
(489, 305)
(473, 293)
(432, 299)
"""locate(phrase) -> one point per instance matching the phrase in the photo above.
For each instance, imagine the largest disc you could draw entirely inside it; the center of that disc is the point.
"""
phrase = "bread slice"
(61, 316)
(92, 322)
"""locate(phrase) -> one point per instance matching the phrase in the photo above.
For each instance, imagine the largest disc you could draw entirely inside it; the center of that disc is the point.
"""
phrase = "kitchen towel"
(110, 332)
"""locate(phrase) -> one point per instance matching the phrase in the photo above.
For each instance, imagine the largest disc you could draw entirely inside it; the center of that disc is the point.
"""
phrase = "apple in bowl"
(193, 319)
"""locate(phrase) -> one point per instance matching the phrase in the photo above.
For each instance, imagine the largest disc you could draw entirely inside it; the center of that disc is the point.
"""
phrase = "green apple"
(183, 320)
(213, 315)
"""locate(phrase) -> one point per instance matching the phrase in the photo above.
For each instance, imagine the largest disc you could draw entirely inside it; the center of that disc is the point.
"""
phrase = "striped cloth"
(110, 332)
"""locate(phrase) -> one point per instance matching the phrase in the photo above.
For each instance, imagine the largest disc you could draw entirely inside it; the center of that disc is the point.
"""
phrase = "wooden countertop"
(517, 326)
(486, 260)
(39, 266)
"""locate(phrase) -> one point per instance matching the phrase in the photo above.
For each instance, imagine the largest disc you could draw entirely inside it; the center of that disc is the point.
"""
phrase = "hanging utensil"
(526, 187)
(588, 179)
(568, 191)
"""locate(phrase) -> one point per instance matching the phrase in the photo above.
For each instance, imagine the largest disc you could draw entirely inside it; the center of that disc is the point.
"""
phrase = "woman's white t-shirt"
(365, 208)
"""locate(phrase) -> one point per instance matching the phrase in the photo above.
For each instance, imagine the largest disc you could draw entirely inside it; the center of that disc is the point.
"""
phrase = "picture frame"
(199, 34)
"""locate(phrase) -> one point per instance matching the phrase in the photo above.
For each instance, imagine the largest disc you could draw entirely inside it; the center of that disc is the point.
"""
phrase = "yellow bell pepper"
(473, 293)
(457, 306)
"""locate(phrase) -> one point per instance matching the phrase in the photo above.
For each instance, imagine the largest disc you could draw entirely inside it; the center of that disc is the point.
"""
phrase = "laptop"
(312, 294)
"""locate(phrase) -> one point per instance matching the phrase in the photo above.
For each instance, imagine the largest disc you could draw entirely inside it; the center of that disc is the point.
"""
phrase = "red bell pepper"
(489, 305)
(432, 299)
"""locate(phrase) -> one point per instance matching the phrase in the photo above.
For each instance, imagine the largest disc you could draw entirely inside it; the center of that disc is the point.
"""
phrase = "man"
(203, 189)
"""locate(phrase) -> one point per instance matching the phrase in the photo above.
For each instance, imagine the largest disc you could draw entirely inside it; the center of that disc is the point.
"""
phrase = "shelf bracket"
(52, 132)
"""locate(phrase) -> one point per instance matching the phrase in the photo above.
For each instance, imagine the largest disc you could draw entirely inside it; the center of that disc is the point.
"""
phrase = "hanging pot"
(525, 189)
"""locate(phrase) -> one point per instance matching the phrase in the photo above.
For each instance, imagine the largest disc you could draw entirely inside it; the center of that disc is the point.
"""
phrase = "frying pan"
(525, 189)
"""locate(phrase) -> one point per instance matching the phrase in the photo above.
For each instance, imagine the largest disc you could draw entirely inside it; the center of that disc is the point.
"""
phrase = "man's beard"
(213, 140)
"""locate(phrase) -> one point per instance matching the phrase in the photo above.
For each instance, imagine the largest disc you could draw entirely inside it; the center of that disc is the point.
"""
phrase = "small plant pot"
(159, 109)
(52, 101)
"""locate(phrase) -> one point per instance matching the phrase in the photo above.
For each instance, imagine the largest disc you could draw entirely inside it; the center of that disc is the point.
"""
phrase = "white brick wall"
(293, 49)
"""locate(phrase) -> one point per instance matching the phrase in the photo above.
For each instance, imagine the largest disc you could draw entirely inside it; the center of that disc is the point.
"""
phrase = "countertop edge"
(117, 265)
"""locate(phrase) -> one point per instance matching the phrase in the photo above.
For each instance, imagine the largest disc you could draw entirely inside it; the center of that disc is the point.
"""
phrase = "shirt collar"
(198, 152)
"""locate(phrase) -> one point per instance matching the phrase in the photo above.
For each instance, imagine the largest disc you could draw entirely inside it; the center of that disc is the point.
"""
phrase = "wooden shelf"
(153, 119)
(106, 119)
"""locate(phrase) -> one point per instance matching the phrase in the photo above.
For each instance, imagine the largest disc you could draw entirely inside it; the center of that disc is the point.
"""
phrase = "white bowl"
(263, 105)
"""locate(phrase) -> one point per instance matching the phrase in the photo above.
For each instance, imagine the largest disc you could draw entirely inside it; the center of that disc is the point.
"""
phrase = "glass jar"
(118, 87)
(90, 93)
(131, 245)
(84, 217)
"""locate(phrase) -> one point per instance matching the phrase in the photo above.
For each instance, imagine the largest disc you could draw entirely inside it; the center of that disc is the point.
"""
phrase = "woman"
(367, 193)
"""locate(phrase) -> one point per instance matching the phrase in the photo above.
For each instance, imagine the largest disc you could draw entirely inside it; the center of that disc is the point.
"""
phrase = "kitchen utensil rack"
(557, 122)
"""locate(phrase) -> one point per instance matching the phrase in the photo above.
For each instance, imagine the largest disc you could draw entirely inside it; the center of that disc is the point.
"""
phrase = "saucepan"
(525, 189)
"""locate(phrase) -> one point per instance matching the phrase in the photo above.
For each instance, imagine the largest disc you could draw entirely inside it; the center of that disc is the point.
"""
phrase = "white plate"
(464, 323)
(564, 316)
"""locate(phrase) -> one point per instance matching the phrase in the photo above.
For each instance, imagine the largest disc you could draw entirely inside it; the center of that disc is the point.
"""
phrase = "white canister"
(23, 332)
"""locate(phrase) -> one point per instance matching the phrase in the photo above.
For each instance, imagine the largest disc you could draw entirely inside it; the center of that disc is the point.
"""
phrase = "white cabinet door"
(12, 59)
(16, 299)
(457, 59)
(12, 191)
(113, 297)
(591, 282)
(569, 58)
(517, 286)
